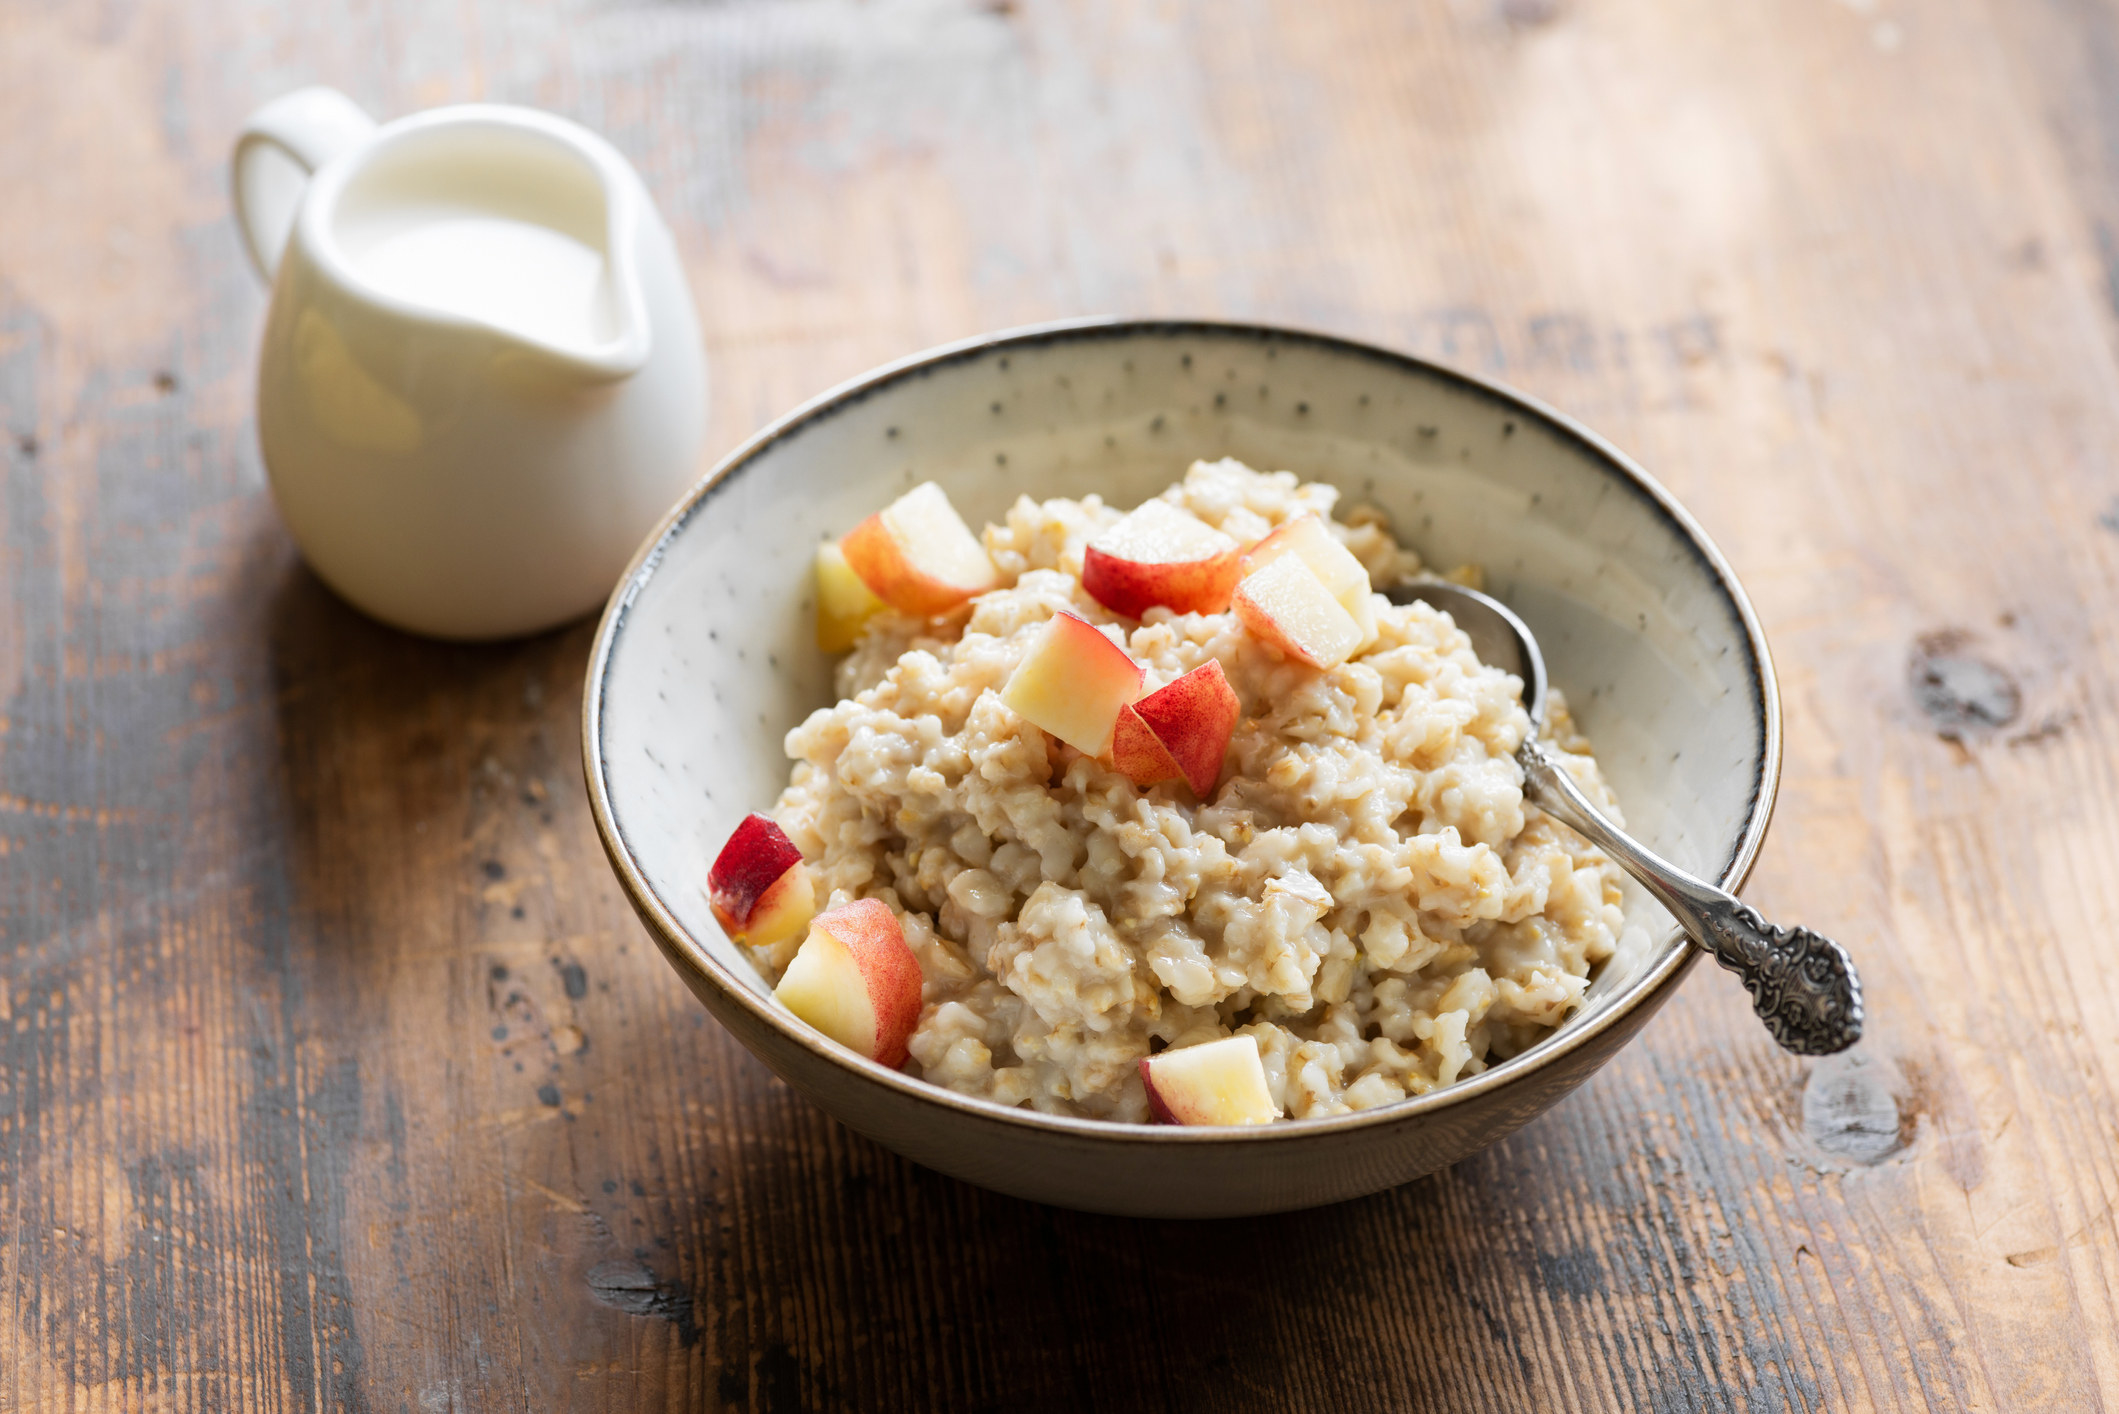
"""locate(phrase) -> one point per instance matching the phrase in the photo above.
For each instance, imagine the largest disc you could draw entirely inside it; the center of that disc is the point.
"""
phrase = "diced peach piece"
(1138, 752)
(1216, 1082)
(1346, 577)
(918, 555)
(1073, 682)
(759, 888)
(1159, 554)
(1286, 605)
(845, 603)
(855, 980)
(1187, 724)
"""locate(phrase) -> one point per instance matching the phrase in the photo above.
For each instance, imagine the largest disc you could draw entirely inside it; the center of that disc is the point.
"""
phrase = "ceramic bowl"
(705, 659)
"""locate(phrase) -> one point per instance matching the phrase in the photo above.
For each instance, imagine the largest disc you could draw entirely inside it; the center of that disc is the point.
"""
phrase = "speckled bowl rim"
(681, 949)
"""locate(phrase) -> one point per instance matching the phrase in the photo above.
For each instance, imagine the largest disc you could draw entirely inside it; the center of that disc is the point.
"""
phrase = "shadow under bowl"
(705, 659)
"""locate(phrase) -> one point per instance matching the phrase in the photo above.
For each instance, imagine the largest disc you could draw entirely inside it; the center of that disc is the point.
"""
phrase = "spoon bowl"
(1499, 638)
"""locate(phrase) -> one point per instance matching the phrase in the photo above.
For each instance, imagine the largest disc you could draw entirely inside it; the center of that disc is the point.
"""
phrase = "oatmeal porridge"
(1331, 855)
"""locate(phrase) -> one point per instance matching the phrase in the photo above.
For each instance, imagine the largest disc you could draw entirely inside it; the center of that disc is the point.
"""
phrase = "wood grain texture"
(334, 1074)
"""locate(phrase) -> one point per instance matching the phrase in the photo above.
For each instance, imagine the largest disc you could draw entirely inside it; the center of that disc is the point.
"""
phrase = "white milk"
(526, 278)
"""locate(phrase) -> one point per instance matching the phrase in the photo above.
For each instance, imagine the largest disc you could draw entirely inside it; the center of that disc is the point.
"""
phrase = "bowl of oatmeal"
(1129, 795)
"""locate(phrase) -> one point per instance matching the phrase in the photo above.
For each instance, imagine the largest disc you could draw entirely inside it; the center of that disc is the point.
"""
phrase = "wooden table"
(335, 1075)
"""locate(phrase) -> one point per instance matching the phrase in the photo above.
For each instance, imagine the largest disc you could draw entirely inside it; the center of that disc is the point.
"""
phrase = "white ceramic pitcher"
(482, 379)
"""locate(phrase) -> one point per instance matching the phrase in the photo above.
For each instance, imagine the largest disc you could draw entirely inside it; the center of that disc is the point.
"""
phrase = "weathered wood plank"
(334, 1075)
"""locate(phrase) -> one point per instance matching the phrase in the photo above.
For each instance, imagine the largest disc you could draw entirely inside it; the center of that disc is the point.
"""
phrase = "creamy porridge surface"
(1366, 893)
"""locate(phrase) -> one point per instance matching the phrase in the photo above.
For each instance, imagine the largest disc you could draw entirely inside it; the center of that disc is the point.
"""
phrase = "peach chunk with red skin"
(1180, 729)
(1215, 1082)
(1286, 605)
(759, 888)
(1159, 554)
(1139, 754)
(856, 980)
(1334, 565)
(1073, 682)
(918, 556)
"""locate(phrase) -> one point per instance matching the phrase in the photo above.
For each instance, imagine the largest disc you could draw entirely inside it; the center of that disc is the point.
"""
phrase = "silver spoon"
(1802, 984)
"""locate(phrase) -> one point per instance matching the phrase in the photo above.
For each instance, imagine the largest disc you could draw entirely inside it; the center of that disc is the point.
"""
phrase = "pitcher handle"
(280, 146)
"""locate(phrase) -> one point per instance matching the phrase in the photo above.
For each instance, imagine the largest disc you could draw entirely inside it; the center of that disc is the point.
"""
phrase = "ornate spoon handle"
(1802, 984)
